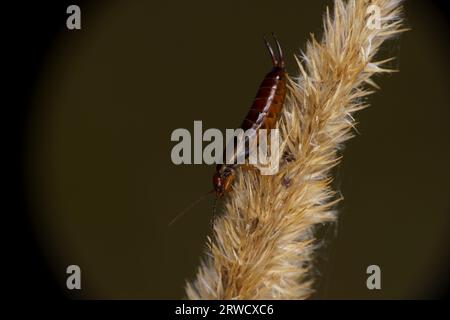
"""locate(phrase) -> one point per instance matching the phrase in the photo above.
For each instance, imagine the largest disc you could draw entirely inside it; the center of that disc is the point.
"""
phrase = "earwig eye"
(217, 182)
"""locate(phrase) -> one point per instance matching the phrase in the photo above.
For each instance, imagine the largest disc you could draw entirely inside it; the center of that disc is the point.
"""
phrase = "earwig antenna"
(272, 55)
(280, 51)
(188, 208)
(214, 207)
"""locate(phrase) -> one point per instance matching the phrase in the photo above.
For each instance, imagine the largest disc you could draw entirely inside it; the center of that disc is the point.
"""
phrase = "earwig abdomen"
(268, 103)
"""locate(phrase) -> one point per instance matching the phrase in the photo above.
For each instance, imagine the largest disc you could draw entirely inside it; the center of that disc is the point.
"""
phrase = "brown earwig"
(263, 114)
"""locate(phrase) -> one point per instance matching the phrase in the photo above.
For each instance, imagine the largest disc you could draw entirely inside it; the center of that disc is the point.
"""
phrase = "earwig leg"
(272, 55)
(248, 167)
(280, 51)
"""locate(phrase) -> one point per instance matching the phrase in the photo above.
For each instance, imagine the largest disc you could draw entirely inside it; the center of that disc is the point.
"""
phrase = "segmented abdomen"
(268, 102)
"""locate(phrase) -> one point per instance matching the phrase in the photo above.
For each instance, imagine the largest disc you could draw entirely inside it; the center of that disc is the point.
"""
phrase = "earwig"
(264, 114)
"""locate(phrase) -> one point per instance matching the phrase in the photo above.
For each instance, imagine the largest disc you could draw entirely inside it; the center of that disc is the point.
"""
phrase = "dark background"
(94, 110)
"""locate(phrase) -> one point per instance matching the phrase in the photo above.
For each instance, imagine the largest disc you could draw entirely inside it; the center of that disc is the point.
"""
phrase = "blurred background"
(104, 100)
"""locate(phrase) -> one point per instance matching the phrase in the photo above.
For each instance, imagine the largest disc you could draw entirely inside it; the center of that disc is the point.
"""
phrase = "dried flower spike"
(263, 245)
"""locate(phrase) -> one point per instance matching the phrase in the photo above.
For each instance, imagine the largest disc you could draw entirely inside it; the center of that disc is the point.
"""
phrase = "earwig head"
(222, 182)
(218, 185)
(277, 62)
